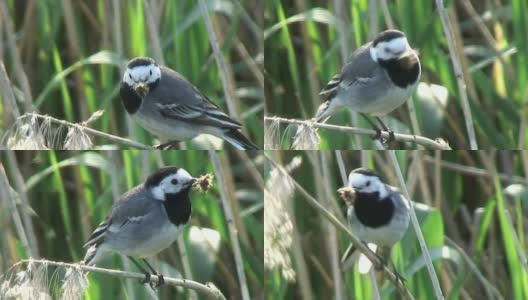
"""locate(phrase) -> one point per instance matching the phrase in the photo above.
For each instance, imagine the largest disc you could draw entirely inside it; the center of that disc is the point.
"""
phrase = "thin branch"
(10, 203)
(113, 138)
(488, 37)
(23, 203)
(153, 31)
(486, 284)
(469, 170)
(233, 235)
(416, 225)
(341, 18)
(437, 144)
(7, 94)
(357, 243)
(226, 82)
(206, 289)
(20, 74)
(333, 244)
(341, 166)
(458, 73)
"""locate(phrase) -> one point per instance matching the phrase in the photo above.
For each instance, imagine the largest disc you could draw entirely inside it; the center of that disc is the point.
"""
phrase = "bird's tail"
(90, 256)
(237, 139)
(322, 113)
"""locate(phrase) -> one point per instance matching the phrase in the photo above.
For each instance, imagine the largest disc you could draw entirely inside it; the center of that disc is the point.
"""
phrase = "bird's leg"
(161, 280)
(391, 133)
(374, 126)
(399, 277)
(382, 260)
(168, 145)
(147, 274)
(385, 258)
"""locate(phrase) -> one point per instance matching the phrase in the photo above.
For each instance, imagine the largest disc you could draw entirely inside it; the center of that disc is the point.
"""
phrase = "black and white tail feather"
(237, 139)
(327, 93)
(207, 113)
(96, 239)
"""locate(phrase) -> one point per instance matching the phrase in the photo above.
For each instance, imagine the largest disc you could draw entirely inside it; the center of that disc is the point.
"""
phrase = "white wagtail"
(146, 219)
(379, 213)
(167, 105)
(378, 77)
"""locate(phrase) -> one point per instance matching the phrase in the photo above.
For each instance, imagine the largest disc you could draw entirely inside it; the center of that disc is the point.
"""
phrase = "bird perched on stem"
(146, 219)
(378, 77)
(167, 105)
(377, 212)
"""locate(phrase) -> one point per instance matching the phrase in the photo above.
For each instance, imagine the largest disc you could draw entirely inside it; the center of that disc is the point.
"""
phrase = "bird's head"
(367, 181)
(141, 74)
(169, 180)
(389, 44)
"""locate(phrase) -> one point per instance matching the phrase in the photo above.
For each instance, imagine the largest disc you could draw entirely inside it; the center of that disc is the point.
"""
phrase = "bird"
(145, 220)
(377, 78)
(377, 214)
(167, 105)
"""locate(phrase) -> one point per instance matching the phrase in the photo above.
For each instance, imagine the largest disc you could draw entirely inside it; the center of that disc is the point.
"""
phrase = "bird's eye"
(174, 181)
(130, 75)
(150, 72)
(368, 183)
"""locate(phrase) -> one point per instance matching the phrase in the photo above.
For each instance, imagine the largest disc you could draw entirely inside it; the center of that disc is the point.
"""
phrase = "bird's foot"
(378, 135)
(399, 277)
(390, 139)
(382, 260)
(167, 146)
(161, 280)
(147, 278)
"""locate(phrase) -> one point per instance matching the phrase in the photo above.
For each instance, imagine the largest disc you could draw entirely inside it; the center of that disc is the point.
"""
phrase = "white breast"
(156, 243)
(166, 129)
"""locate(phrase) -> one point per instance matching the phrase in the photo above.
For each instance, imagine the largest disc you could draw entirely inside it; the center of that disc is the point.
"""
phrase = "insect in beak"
(192, 181)
(141, 89)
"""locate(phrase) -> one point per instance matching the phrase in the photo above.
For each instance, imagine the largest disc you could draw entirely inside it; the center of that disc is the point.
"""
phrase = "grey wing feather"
(175, 97)
(358, 70)
(330, 89)
(134, 203)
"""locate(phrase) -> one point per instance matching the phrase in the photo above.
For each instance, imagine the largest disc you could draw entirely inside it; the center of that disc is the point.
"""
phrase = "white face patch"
(391, 49)
(172, 184)
(142, 74)
(367, 184)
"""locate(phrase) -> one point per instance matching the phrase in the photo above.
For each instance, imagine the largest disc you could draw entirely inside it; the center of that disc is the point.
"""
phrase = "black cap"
(155, 178)
(387, 35)
(140, 61)
(366, 171)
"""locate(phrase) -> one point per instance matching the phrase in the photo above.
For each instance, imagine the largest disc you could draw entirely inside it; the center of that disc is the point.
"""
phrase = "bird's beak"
(141, 89)
(191, 182)
(348, 195)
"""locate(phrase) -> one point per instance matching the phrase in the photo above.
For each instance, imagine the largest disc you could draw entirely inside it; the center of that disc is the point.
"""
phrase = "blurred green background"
(66, 58)
(69, 193)
(471, 205)
(306, 43)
